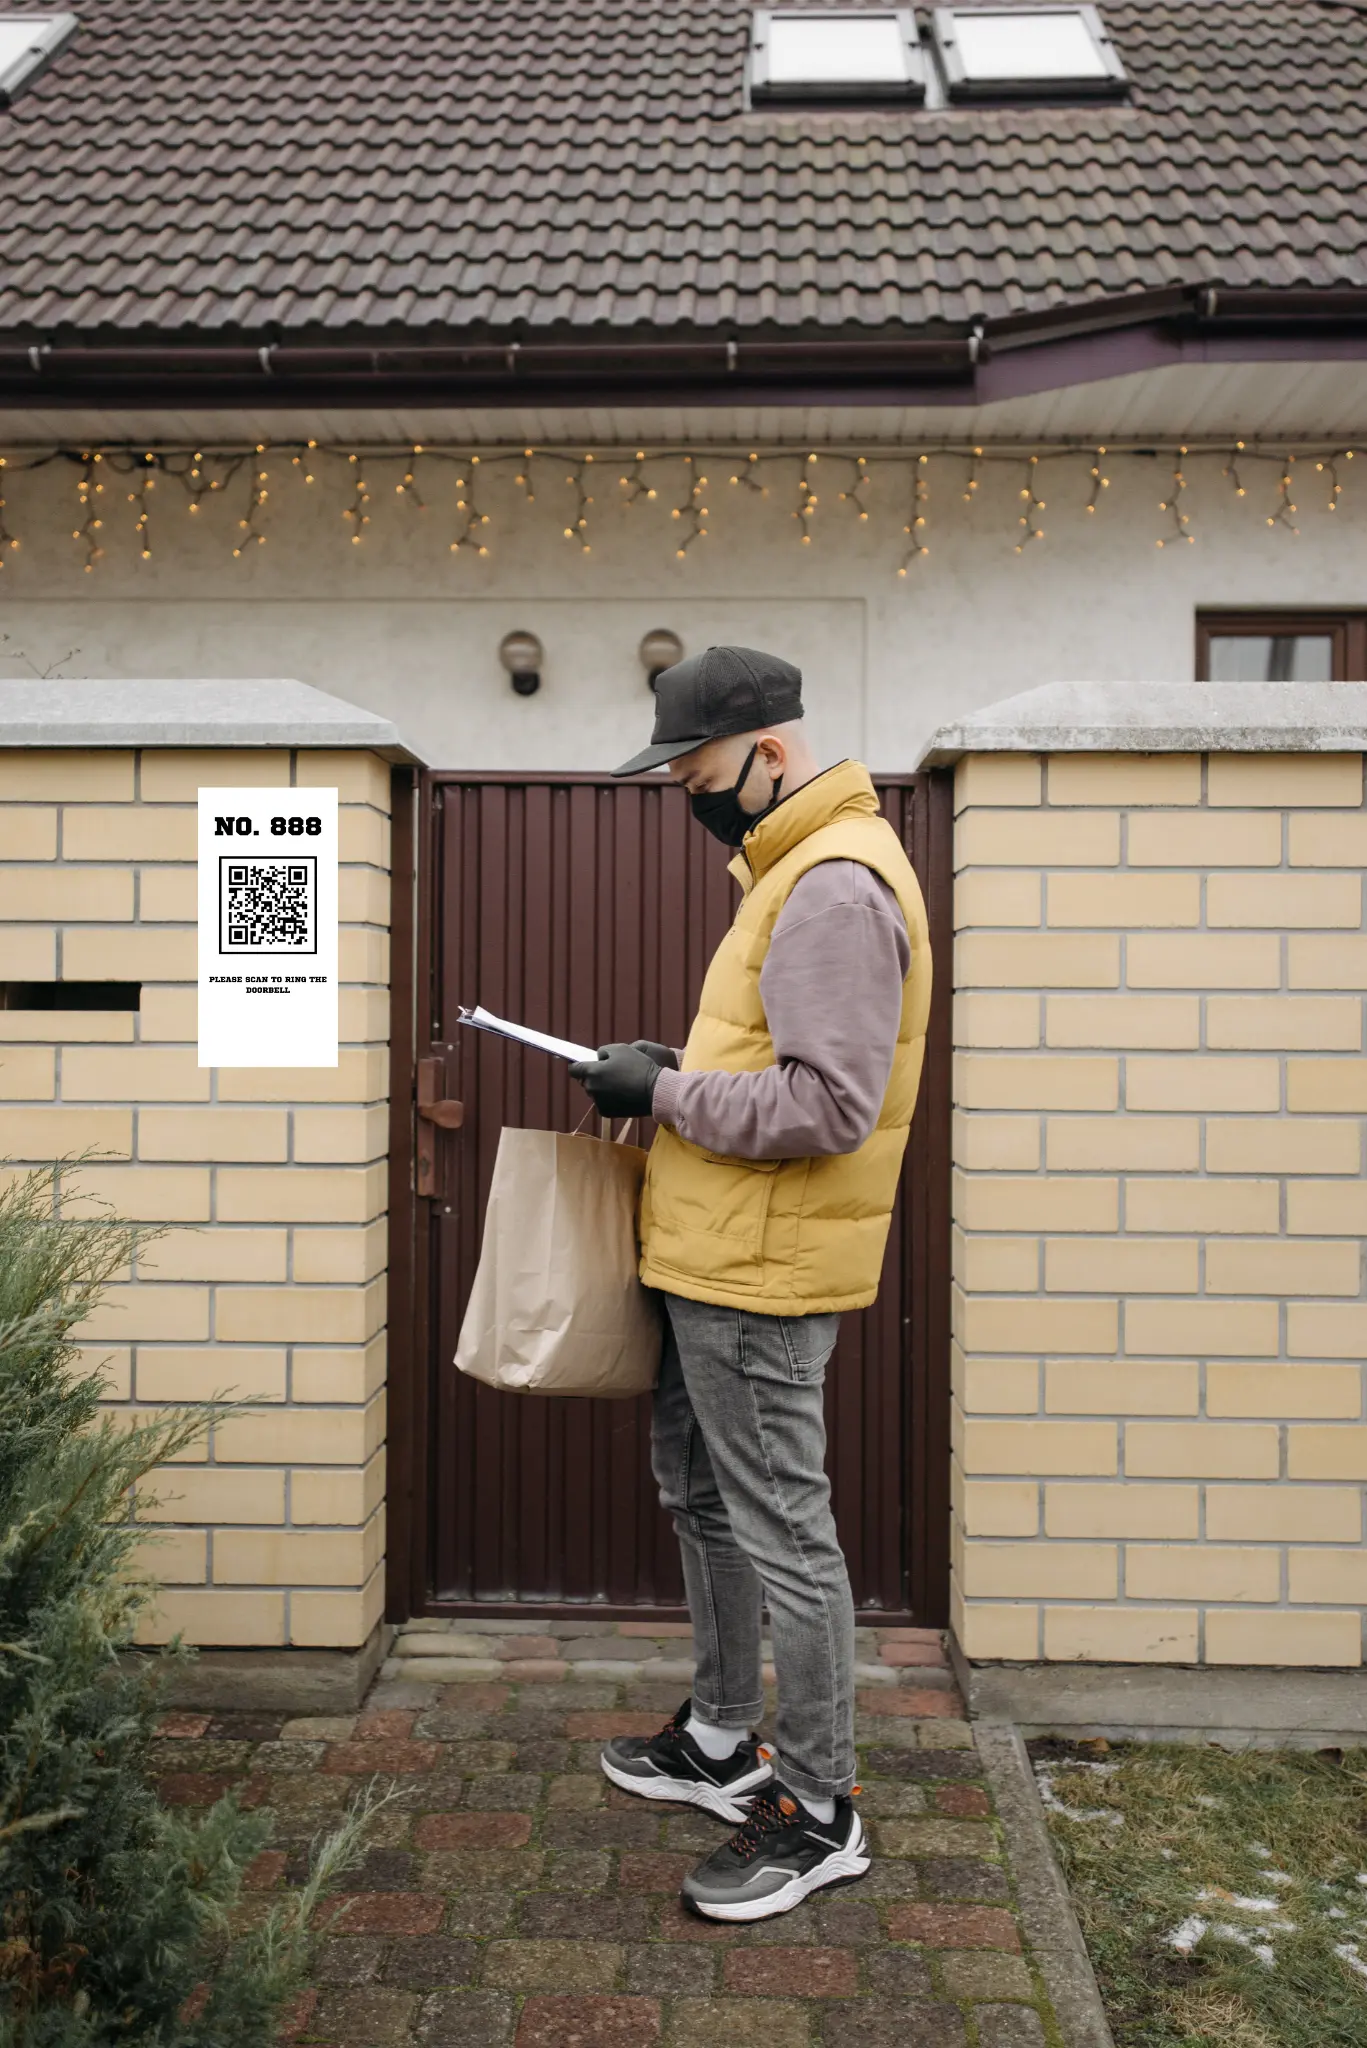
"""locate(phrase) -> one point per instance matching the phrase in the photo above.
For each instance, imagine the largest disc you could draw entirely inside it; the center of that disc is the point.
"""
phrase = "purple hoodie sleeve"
(831, 986)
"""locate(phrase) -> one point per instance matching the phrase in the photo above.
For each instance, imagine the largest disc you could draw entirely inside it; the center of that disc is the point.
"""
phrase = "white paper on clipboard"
(563, 1048)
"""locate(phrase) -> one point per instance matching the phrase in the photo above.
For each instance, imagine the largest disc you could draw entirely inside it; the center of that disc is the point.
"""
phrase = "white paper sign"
(268, 927)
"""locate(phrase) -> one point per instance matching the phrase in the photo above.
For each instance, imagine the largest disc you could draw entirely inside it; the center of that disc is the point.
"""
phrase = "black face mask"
(720, 809)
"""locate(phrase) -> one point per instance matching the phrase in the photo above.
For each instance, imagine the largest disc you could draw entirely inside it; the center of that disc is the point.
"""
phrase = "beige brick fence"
(270, 1281)
(1160, 1324)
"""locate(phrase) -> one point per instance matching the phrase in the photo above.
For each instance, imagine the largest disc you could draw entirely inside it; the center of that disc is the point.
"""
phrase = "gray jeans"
(738, 1445)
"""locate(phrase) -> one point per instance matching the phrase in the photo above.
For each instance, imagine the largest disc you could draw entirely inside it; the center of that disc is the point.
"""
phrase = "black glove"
(621, 1080)
(663, 1055)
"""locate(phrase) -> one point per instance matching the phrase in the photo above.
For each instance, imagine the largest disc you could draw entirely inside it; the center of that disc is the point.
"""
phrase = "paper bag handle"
(607, 1126)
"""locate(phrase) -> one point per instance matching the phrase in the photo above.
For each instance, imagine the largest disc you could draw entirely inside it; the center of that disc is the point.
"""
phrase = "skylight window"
(842, 56)
(28, 43)
(1027, 53)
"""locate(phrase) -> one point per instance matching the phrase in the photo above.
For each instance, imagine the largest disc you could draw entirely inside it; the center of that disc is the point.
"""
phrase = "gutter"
(987, 362)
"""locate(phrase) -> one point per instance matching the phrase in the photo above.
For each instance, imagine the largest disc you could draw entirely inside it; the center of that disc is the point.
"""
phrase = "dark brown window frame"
(1345, 625)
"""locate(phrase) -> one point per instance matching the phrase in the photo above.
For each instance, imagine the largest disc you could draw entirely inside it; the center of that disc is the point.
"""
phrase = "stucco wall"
(1160, 1323)
(406, 628)
(271, 1280)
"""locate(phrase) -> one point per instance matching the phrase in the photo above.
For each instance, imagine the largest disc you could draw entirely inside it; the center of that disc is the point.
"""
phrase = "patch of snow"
(1205, 1799)
(1167, 1854)
(1335, 1913)
(1348, 1951)
(1050, 1799)
(1261, 1949)
(1361, 1878)
(1245, 1905)
(1185, 1937)
(1278, 1876)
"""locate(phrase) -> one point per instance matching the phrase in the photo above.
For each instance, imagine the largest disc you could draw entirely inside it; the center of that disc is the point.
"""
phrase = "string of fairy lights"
(244, 478)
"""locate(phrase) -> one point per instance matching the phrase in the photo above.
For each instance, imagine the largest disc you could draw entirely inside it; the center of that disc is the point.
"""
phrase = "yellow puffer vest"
(787, 1237)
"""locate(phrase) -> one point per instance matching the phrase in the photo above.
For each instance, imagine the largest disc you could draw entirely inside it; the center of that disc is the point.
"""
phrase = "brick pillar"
(270, 1283)
(1160, 1324)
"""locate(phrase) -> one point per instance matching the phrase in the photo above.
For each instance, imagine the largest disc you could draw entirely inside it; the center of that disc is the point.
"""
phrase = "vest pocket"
(711, 1219)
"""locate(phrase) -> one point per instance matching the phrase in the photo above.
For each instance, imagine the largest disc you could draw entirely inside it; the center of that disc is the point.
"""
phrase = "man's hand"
(621, 1080)
(663, 1055)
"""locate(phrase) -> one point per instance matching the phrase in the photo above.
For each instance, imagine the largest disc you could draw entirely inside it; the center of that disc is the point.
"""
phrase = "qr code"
(268, 903)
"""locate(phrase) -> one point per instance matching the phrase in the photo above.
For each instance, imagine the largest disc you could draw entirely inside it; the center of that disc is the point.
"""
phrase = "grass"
(1222, 1895)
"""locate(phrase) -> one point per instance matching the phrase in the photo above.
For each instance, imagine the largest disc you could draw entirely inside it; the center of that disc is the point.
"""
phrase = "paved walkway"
(512, 1896)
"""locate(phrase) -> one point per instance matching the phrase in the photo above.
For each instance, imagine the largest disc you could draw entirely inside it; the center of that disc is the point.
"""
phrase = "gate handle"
(435, 1108)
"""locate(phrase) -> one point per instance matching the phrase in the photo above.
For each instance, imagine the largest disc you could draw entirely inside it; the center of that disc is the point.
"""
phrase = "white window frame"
(1113, 85)
(907, 91)
(50, 33)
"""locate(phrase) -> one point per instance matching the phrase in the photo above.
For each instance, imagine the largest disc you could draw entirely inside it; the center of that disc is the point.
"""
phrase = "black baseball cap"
(711, 695)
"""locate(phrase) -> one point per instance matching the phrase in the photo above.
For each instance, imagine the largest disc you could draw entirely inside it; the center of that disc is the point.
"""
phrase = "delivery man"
(765, 1211)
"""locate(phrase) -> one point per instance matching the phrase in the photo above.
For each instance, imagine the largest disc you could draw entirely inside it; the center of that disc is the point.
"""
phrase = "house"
(464, 367)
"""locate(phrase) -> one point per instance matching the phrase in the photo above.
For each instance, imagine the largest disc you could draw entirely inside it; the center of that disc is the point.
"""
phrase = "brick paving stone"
(975, 1974)
(452, 1672)
(954, 1926)
(472, 1831)
(911, 1635)
(303, 1796)
(318, 1728)
(921, 1763)
(950, 1734)
(527, 1646)
(296, 2014)
(1009, 2026)
(475, 1758)
(360, 1759)
(693, 1831)
(786, 1928)
(552, 1965)
(389, 1827)
(848, 1923)
(505, 1792)
(400, 1692)
(384, 1870)
(466, 2019)
(353, 1960)
(285, 1758)
(657, 1693)
(654, 1872)
(669, 1970)
(194, 1788)
(545, 1754)
(908, 1656)
(247, 1727)
(371, 2014)
(618, 1801)
(201, 1753)
(600, 1726)
(380, 1913)
(452, 1724)
(479, 1913)
(672, 1923)
(889, 1798)
(419, 1964)
(183, 1725)
(667, 1631)
(906, 1703)
(544, 1669)
(792, 1972)
(577, 1794)
(889, 1879)
(638, 1830)
(933, 1837)
(473, 1870)
(265, 1871)
(385, 1724)
(470, 1699)
(964, 1801)
(578, 1870)
(964, 1877)
(599, 1650)
(738, 2023)
(440, 1792)
(892, 2023)
(588, 2023)
(566, 1631)
(899, 1973)
(580, 1916)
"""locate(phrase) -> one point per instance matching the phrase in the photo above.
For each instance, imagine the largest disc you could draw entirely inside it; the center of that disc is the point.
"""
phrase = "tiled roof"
(198, 166)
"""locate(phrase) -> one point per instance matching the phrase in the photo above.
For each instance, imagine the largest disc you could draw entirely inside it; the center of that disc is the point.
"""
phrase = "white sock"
(718, 1743)
(820, 1809)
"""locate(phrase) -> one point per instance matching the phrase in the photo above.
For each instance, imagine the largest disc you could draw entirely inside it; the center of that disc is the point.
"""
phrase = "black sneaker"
(670, 1765)
(777, 1859)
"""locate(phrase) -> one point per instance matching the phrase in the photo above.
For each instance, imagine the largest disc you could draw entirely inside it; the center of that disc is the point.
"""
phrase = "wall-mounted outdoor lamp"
(522, 655)
(660, 649)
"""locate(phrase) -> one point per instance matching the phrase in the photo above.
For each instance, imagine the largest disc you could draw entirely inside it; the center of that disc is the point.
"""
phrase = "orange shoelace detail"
(767, 1815)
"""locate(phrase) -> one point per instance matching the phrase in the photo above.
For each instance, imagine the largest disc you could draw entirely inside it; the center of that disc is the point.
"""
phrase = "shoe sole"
(847, 1866)
(729, 1802)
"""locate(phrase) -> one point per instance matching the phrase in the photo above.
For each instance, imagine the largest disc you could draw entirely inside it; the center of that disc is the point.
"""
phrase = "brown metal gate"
(590, 908)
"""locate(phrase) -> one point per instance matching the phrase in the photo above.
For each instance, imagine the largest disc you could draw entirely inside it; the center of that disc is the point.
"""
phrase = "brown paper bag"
(557, 1306)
